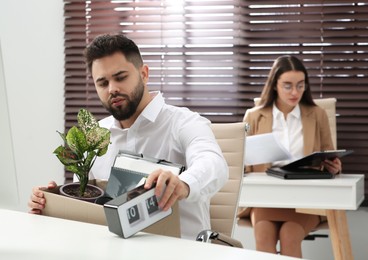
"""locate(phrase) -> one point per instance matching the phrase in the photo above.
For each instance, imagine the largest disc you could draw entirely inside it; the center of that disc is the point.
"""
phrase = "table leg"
(339, 233)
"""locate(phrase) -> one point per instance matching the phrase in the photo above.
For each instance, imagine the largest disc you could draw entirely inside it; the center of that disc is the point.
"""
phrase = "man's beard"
(125, 112)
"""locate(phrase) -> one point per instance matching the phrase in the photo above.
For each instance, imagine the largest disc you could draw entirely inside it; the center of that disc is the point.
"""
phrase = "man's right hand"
(37, 201)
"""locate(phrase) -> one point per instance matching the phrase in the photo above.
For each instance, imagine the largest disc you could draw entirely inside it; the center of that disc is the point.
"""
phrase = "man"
(141, 122)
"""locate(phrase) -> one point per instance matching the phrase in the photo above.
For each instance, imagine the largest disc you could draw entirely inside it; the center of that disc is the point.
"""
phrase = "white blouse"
(289, 132)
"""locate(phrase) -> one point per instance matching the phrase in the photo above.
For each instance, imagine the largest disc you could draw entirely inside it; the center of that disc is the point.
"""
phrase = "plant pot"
(71, 190)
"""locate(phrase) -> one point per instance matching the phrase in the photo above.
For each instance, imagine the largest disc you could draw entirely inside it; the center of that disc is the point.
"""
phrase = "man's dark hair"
(108, 44)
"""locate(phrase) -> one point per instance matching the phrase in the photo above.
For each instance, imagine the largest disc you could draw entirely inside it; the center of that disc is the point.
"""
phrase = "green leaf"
(105, 138)
(77, 141)
(102, 151)
(66, 156)
(98, 138)
(91, 155)
(86, 120)
(63, 136)
(73, 168)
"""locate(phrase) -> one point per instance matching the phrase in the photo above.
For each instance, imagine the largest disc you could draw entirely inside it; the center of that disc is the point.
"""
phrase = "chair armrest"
(210, 236)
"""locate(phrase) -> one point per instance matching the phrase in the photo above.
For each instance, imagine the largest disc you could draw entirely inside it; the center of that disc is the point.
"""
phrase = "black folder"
(304, 168)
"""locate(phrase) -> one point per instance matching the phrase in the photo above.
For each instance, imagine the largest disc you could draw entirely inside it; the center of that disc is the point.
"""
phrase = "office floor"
(320, 249)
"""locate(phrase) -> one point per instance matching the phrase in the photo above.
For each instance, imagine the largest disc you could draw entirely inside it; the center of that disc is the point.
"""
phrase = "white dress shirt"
(177, 135)
(289, 132)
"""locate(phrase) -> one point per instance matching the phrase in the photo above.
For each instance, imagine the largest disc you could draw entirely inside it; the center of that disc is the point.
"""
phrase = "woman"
(286, 108)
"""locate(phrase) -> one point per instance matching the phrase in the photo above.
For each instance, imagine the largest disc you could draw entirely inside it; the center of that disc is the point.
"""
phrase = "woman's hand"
(332, 166)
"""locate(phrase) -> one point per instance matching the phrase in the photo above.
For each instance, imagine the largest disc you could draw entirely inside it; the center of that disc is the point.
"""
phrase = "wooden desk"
(323, 197)
(33, 237)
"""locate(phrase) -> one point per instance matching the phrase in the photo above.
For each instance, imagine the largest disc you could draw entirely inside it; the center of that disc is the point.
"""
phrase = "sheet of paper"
(264, 148)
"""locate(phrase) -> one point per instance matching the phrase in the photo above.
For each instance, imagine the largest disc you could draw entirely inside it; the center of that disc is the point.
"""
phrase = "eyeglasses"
(288, 87)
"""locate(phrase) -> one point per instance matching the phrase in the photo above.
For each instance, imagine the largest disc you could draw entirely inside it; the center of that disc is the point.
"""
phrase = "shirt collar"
(151, 111)
(278, 114)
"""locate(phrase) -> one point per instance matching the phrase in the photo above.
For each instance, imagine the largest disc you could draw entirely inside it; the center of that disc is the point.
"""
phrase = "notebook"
(303, 168)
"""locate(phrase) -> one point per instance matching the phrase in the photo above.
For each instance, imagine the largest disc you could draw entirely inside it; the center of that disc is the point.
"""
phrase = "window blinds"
(213, 56)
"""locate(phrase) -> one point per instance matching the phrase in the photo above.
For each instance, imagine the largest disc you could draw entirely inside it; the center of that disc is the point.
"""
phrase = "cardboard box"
(63, 207)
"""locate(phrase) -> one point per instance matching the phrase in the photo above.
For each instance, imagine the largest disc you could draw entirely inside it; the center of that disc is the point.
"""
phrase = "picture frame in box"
(67, 208)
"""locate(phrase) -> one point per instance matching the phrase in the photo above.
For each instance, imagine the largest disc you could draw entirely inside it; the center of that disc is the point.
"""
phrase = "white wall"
(31, 39)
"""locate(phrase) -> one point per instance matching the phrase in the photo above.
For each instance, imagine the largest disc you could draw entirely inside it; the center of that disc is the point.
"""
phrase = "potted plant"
(82, 145)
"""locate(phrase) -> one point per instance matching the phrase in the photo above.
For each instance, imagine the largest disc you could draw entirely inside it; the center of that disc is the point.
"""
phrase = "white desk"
(324, 197)
(26, 236)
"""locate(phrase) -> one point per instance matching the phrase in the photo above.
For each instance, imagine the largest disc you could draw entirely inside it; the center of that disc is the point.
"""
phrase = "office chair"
(224, 204)
(329, 104)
